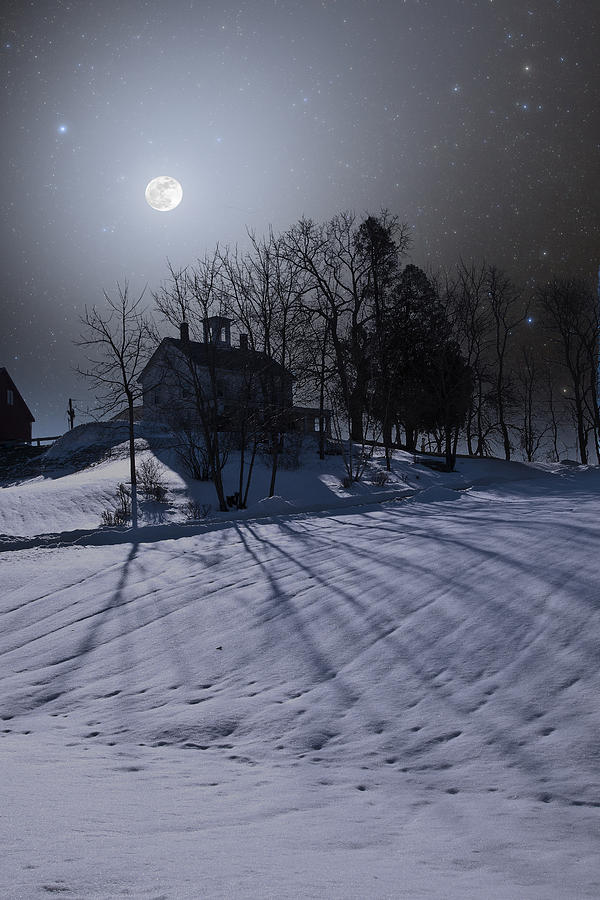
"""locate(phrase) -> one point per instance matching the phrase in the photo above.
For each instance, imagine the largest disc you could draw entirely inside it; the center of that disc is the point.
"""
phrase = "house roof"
(5, 377)
(232, 359)
(123, 415)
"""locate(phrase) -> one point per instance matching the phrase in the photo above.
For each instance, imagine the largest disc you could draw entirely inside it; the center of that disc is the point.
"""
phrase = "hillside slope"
(397, 701)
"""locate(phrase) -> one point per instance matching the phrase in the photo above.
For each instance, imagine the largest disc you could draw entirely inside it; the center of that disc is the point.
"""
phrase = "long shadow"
(369, 553)
(416, 656)
(575, 533)
(321, 664)
(511, 748)
(121, 609)
(552, 579)
(75, 660)
(170, 642)
(548, 584)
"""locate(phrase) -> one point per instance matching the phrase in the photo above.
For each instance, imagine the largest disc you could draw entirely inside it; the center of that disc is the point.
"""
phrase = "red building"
(15, 416)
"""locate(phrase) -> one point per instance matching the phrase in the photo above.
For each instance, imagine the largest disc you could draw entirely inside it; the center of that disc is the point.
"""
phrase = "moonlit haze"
(474, 122)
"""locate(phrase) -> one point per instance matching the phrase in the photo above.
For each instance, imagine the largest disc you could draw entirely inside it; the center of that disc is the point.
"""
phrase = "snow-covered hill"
(76, 480)
(379, 701)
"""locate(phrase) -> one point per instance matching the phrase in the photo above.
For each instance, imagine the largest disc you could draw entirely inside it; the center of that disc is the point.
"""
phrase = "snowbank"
(92, 435)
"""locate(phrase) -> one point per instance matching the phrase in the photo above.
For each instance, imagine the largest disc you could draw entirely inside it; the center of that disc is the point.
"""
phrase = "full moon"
(164, 193)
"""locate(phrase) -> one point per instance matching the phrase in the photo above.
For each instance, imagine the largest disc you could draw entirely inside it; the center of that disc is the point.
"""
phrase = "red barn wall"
(15, 417)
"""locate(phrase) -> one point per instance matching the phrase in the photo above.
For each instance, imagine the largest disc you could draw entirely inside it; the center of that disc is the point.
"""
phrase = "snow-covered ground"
(385, 700)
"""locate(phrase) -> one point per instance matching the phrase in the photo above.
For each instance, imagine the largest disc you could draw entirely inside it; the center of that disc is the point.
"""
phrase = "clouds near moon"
(164, 193)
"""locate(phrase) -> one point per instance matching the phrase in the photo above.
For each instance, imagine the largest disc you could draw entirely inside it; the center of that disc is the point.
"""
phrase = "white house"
(183, 374)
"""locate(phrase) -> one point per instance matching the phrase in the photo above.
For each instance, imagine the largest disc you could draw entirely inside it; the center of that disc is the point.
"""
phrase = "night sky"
(475, 122)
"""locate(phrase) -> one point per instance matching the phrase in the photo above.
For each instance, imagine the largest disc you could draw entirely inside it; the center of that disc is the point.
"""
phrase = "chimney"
(243, 341)
(184, 331)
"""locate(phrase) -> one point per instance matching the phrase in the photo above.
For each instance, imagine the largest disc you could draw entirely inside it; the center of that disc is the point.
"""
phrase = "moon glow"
(164, 193)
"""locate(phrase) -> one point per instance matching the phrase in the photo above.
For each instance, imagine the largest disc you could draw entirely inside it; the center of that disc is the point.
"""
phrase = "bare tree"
(188, 299)
(265, 287)
(356, 455)
(449, 383)
(347, 263)
(507, 310)
(532, 427)
(552, 395)
(469, 310)
(318, 365)
(118, 341)
(572, 310)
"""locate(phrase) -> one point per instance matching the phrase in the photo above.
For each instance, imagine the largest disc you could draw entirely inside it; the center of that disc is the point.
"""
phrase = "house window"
(317, 423)
(10, 397)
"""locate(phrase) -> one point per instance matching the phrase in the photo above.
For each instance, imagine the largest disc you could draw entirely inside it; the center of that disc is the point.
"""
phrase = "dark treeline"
(465, 360)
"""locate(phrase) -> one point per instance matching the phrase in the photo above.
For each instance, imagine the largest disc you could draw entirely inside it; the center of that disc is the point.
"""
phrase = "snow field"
(389, 701)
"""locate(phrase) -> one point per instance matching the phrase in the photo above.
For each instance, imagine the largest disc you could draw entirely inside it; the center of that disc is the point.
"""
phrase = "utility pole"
(71, 414)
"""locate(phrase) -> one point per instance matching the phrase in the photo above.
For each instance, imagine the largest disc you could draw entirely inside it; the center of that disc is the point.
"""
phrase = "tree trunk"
(241, 478)
(356, 417)
(479, 448)
(411, 439)
(276, 450)
(250, 468)
(501, 413)
(448, 450)
(469, 430)
(387, 441)
(132, 472)
(322, 422)
(455, 446)
(216, 473)
(595, 417)
(322, 399)
(581, 432)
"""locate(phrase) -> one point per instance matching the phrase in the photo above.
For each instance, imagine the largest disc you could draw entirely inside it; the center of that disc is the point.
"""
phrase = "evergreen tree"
(413, 329)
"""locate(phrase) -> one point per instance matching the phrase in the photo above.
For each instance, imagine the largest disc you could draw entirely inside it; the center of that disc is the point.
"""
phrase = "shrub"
(150, 478)
(195, 511)
(381, 478)
(192, 454)
(121, 514)
(123, 498)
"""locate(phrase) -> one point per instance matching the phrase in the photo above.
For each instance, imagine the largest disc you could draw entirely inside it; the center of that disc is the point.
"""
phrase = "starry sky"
(475, 121)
